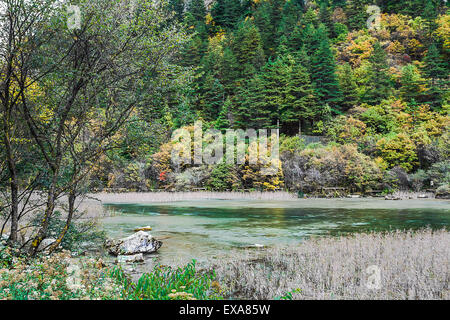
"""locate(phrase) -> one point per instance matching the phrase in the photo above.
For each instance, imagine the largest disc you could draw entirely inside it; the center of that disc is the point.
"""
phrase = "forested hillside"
(95, 96)
(369, 78)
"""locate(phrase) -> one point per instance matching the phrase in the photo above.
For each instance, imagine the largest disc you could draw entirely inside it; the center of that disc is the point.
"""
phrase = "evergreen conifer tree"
(247, 48)
(348, 86)
(323, 71)
(226, 13)
(380, 81)
(436, 71)
(356, 14)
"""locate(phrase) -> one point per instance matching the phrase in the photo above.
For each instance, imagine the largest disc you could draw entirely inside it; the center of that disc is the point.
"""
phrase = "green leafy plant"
(167, 283)
(289, 295)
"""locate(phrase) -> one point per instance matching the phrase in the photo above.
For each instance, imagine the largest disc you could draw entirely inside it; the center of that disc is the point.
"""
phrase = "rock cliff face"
(140, 242)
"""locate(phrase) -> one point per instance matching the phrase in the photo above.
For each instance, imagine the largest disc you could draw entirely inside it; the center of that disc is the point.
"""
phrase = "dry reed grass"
(135, 197)
(413, 265)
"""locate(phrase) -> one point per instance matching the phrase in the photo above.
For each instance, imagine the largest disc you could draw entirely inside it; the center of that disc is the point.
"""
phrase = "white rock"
(46, 243)
(140, 242)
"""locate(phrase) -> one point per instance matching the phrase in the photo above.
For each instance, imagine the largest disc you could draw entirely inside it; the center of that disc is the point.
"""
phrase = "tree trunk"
(72, 198)
(50, 207)
(13, 236)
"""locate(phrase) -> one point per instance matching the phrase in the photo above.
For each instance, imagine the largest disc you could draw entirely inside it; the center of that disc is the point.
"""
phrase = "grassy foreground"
(411, 265)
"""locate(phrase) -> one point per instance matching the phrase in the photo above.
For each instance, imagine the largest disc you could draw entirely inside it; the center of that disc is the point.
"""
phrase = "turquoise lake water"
(209, 229)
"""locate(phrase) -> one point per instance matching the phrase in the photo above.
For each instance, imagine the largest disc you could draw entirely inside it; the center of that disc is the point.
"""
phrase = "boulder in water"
(140, 242)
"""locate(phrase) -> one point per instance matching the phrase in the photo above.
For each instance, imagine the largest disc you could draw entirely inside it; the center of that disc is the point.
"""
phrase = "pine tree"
(348, 86)
(325, 17)
(226, 13)
(244, 112)
(380, 82)
(197, 9)
(212, 98)
(276, 13)
(412, 84)
(269, 96)
(301, 104)
(261, 18)
(412, 8)
(229, 70)
(295, 39)
(356, 14)
(193, 52)
(436, 70)
(223, 122)
(435, 67)
(290, 19)
(430, 15)
(311, 38)
(310, 17)
(195, 19)
(247, 48)
(339, 3)
(323, 72)
(282, 92)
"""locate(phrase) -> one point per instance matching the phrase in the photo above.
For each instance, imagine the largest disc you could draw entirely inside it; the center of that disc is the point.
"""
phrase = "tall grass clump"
(412, 265)
(167, 283)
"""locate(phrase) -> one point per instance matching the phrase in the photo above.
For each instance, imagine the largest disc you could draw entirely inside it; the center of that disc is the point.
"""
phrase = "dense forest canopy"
(358, 89)
(310, 60)
(370, 78)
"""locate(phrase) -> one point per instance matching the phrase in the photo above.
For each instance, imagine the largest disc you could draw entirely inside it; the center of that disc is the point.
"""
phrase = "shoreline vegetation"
(411, 265)
(175, 196)
(263, 199)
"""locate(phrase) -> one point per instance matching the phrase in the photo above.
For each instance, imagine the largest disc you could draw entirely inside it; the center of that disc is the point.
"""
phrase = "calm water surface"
(205, 229)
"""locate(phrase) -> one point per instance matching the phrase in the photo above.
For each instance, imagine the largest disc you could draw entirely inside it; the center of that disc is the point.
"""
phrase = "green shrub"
(56, 277)
(223, 177)
(443, 191)
(167, 283)
(418, 179)
(79, 232)
(439, 173)
(6, 258)
(291, 144)
(398, 150)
